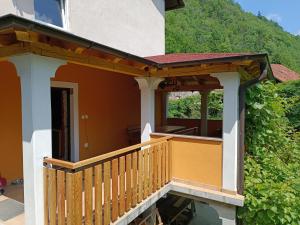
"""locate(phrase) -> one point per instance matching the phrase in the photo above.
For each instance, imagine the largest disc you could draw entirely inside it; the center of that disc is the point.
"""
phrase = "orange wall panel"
(197, 161)
(112, 103)
(10, 123)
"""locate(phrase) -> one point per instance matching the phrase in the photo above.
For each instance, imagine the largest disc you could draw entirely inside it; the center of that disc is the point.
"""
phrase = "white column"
(35, 73)
(204, 112)
(147, 85)
(230, 82)
(227, 213)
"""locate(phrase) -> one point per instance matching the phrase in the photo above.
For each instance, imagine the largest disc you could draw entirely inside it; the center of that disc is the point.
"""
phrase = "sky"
(285, 12)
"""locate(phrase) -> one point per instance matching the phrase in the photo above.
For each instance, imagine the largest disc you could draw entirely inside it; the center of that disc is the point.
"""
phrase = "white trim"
(74, 117)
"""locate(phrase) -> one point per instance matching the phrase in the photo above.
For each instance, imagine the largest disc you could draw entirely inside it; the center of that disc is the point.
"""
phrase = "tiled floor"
(14, 192)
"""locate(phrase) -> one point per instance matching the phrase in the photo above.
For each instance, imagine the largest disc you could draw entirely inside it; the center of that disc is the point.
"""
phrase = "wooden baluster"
(146, 172)
(170, 160)
(159, 171)
(167, 163)
(134, 179)
(155, 167)
(46, 199)
(163, 177)
(150, 171)
(141, 175)
(61, 196)
(128, 183)
(88, 196)
(70, 198)
(122, 186)
(98, 195)
(52, 196)
(115, 184)
(107, 208)
(78, 197)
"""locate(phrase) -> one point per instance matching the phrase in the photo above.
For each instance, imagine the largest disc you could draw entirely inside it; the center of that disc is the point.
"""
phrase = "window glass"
(49, 11)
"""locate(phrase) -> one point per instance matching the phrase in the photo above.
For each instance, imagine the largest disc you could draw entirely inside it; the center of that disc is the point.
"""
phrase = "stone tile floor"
(14, 192)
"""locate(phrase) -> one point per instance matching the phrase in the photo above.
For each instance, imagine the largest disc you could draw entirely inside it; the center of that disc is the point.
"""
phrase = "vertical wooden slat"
(98, 195)
(155, 166)
(61, 196)
(88, 196)
(128, 182)
(52, 196)
(159, 171)
(146, 172)
(115, 184)
(167, 163)
(150, 170)
(141, 175)
(70, 198)
(107, 208)
(46, 202)
(122, 186)
(78, 197)
(170, 159)
(163, 165)
(134, 179)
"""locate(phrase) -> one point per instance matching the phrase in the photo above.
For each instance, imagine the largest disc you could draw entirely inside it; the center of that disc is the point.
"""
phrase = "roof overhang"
(174, 4)
(20, 36)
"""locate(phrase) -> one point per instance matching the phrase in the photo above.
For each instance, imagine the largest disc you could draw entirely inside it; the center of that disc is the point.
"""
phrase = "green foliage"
(291, 91)
(222, 26)
(189, 107)
(272, 183)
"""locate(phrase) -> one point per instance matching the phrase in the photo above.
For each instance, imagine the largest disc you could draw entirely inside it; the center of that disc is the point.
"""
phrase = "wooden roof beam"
(195, 70)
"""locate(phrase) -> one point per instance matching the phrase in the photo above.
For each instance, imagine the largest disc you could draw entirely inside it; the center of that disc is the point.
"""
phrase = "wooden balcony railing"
(101, 189)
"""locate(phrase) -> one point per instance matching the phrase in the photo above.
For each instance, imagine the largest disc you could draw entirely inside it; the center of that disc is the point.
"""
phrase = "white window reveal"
(51, 12)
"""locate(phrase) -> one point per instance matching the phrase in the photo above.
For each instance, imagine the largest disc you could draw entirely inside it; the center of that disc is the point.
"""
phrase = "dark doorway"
(61, 139)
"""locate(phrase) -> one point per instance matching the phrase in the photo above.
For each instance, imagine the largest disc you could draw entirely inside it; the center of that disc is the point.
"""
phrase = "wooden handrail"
(86, 162)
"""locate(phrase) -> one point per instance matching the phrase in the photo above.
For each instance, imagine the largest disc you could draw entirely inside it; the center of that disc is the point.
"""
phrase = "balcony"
(117, 186)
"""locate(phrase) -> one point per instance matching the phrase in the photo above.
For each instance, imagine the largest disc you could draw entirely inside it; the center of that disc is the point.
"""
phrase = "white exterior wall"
(24, 8)
(133, 26)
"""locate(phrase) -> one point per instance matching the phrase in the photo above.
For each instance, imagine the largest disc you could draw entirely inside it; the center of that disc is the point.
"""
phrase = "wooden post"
(204, 112)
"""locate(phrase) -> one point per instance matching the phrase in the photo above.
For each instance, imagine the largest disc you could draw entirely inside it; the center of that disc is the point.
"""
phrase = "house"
(76, 78)
(284, 74)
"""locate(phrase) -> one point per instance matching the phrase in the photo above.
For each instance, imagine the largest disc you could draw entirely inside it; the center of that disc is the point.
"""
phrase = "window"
(50, 11)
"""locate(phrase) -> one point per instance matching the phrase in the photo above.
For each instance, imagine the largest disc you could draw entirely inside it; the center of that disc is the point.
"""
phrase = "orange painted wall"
(196, 161)
(112, 103)
(10, 123)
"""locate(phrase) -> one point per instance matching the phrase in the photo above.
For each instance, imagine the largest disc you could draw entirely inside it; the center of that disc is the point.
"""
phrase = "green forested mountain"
(222, 26)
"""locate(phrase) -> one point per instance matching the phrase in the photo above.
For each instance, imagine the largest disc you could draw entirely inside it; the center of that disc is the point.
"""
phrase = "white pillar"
(204, 112)
(35, 73)
(227, 213)
(147, 85)
(230, 82)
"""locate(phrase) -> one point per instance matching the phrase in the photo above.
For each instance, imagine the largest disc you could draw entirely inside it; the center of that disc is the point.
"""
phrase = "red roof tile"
(283, 73)
(187, 57)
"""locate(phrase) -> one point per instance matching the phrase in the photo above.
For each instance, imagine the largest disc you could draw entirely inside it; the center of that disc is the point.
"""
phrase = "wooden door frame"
(74, 120)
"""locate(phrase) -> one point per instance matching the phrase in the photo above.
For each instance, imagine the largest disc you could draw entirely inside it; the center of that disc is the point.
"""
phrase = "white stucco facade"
(133, 26)
(23, 8)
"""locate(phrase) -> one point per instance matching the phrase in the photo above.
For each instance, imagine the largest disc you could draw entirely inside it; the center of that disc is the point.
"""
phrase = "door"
(61, 122)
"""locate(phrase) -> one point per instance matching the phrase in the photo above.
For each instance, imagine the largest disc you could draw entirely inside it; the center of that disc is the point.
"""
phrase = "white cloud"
(298, 33)
(274, 17)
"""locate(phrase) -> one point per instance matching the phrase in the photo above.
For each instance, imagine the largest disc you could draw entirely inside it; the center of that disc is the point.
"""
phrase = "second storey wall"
(134, 26)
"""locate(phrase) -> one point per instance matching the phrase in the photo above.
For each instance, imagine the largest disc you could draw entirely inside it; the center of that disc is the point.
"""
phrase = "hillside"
(222, 26)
